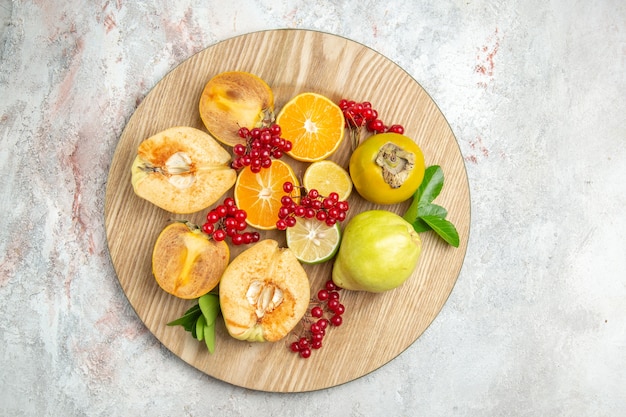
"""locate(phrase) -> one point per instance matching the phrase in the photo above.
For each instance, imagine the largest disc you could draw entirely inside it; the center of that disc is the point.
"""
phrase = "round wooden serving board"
(377, 327)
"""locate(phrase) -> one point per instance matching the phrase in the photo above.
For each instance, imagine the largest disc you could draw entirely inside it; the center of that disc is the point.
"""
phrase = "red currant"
(221, 211)
(208, 228)
(315, 328)
(243, 132)
(261, 145)
(286, 200)
(317, 312)
(303, 342)
(299, 211)
(237, 239)
(333, 303)
(239, 149)
(255, 133)
(290, 221)
(241, 215)
(362, 114)
(227, 220)
(322, 295)
(396, 129)
(281, 224)
(317, 335)
(212, 217)
(275, 130)
(219, 235)
(336, 320)
(340, 309)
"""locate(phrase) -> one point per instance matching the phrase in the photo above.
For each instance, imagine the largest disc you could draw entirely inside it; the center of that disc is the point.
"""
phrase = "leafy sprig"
(424, 215)
(200, 319)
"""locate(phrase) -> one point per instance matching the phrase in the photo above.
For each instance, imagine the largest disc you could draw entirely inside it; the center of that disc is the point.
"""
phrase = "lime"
(313, 241)
(326, 177)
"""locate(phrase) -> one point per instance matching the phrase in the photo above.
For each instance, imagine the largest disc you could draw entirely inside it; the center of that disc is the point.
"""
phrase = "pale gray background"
(534, 92)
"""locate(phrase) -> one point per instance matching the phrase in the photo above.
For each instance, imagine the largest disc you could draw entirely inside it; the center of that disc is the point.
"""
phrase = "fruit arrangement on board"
(263, 292)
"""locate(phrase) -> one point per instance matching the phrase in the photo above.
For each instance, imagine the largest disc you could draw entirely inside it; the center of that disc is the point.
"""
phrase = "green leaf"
(432, 210)
(210, 306)
(200, 325)
(194, 329)
(428, 190)
(193, 311)
(420, 226)
(199, 320)
(431, 185)
(424, 215)
(188, 320)
(427, 210)
(209, 337)
(443, 228)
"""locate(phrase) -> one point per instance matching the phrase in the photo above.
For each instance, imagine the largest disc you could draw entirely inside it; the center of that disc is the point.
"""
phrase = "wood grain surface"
(377, 327)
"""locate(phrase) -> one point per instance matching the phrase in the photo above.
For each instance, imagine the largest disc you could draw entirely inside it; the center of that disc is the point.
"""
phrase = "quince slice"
(264, 293)
(182, 170)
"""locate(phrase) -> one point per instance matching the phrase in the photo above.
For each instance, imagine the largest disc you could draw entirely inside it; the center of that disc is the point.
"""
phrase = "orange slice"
(259, 194)
(313, 124)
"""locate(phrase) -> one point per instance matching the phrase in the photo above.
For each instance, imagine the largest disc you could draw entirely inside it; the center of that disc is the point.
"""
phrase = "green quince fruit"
(379, 251)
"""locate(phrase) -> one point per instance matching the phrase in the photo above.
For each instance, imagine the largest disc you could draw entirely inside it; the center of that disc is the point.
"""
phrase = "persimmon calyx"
(396, 164)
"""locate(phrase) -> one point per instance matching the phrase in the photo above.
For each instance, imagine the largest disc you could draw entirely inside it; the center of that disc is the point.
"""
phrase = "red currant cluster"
(328, 209)
(327, 304)
(362, 114)
(262, 144)
(226, 220)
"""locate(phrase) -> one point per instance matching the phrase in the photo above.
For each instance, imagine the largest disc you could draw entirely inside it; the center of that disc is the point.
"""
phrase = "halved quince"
(182, 170)
(264, 293)
(186, 262)
(232, 100)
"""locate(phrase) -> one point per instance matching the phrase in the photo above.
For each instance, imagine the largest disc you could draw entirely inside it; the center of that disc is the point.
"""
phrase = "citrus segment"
(313, 124)
(259, 194)
(312, 241)
(327, 177)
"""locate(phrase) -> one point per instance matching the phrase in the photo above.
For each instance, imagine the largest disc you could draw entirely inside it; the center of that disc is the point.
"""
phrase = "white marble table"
(534, 91)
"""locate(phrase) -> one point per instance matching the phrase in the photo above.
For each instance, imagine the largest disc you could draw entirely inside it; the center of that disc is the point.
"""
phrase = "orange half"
(260, 194)
(313, 124)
